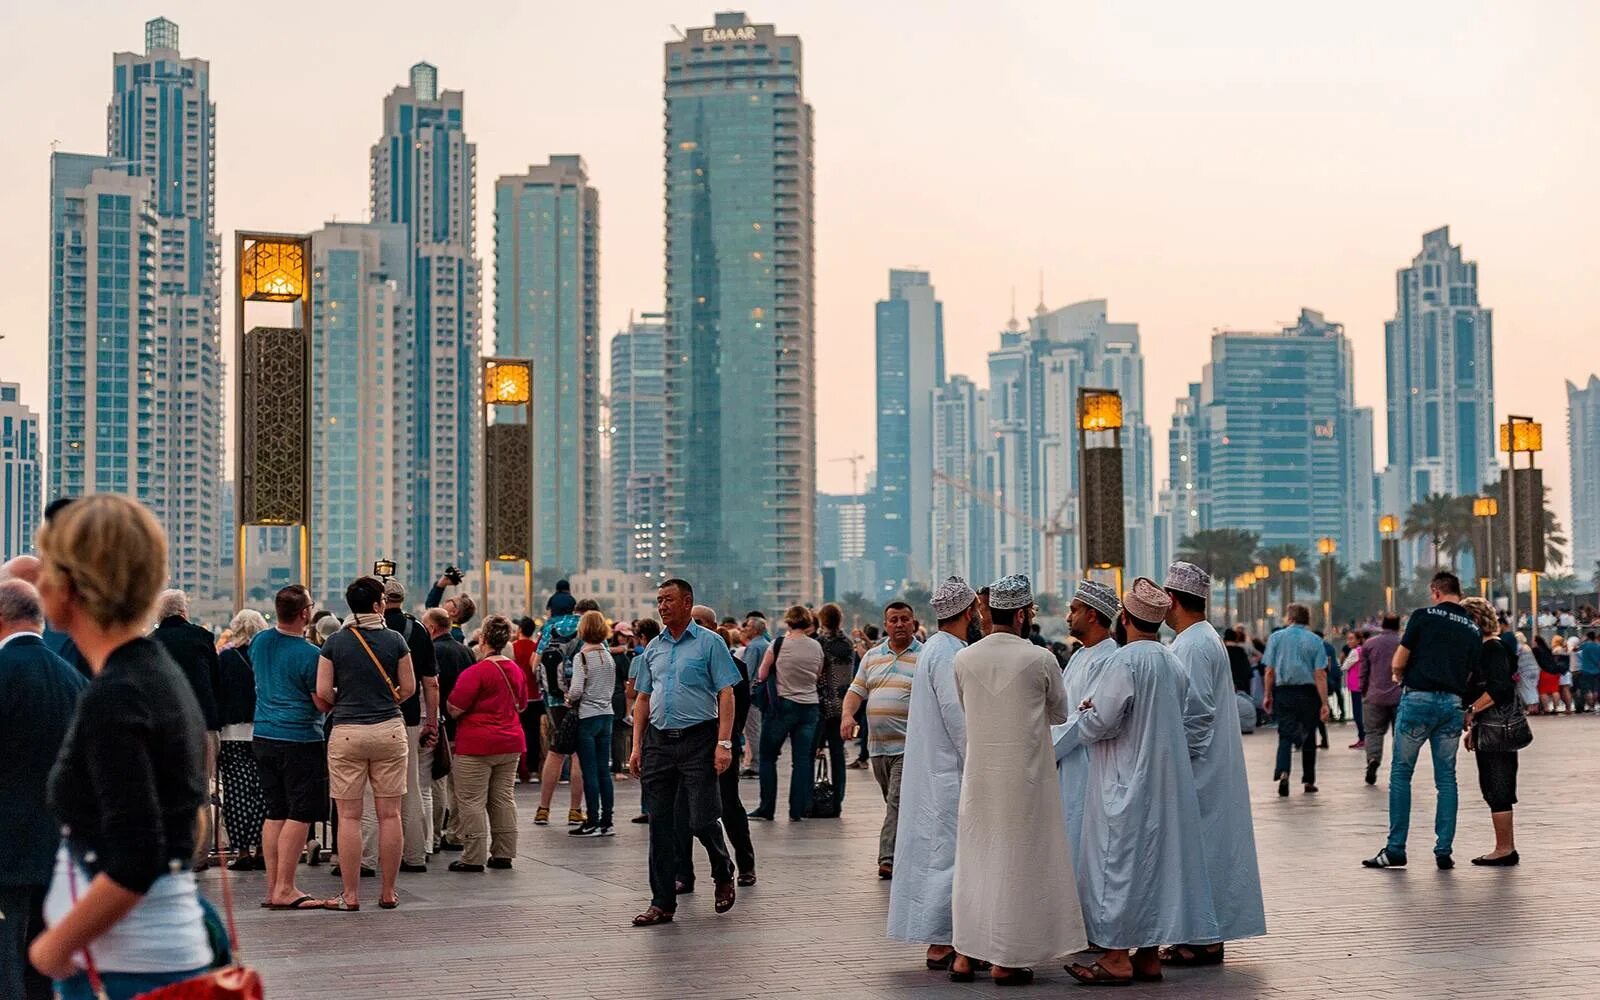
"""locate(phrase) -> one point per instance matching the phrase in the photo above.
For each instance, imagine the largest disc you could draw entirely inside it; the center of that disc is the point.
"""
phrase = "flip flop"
(1183, 955)
(340, 906)
(1096, 975)
(299, 904)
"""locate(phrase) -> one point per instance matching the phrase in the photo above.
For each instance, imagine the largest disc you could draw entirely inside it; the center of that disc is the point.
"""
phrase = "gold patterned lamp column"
(508, 470)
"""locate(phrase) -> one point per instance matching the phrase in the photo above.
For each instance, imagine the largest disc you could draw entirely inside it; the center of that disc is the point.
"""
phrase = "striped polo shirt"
(884, 680)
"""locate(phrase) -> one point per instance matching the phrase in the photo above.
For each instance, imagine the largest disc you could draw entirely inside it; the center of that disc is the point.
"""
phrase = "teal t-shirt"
(286, 677)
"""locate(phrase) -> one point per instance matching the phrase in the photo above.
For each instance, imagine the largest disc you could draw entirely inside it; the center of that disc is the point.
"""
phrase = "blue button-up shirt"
(1295, 654)
(683, 676)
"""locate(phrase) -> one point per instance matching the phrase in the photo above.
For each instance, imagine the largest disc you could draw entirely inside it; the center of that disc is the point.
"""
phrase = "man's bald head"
(24, 568)
(703, 616)
(19, 607)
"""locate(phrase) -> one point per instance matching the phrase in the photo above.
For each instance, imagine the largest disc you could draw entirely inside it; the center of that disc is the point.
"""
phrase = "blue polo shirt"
(285, 668)
(683, 676)
(1295, 654)
(1589, 657)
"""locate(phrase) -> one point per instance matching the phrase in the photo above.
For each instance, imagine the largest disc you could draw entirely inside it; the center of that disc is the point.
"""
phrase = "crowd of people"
(1087, 798)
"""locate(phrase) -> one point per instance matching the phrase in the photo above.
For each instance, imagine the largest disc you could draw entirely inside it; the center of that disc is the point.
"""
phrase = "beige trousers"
(485, 792)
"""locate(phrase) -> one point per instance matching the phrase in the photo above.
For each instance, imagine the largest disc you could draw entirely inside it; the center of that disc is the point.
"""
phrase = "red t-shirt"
(489, 722)
(522, 650)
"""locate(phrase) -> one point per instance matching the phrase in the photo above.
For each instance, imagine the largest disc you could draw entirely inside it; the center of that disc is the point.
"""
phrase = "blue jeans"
(1432, 717)
(798, 724)
(121, 985)
(594, 757)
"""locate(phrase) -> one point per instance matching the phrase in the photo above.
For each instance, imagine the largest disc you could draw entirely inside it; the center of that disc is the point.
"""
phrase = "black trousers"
(734, 820)
(670, 760)
(23, 910)
(1298, 710)
(828, 736)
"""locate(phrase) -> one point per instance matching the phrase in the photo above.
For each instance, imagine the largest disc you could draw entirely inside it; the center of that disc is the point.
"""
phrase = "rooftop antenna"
(1041, 310)
(1012, 324)
(678, 31)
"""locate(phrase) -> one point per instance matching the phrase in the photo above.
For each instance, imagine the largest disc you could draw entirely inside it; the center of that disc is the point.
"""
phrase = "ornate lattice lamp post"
(1524, 492)
(1388, 525)
(1485, 510)
(1100, 496)
(507, 457)
(1327, 547)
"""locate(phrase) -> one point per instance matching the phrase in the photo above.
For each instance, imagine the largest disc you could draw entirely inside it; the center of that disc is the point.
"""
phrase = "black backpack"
(824, 804)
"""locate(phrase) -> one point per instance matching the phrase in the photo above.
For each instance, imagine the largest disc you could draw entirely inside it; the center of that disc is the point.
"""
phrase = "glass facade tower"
(161, 127)
(103, 387)
(423, 169)
(910, 366)
(638, 462)
(546, 308)
(1440, 373)
(740, 340)
(19, 473)
(1583, 446)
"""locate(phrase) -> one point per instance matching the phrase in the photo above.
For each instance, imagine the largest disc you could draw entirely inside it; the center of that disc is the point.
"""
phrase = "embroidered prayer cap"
(952, 598)
(1010, 592)
(1099, 596)
(1146, 601)
(1190, 579)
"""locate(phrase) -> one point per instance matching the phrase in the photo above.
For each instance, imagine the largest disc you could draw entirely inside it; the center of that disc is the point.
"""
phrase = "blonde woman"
(594, 673)
(797, 660)
(1494, 687)
(130, 781)
(244, 807)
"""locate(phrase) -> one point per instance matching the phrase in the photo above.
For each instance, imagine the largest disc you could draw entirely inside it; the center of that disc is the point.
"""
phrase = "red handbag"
(234, 982)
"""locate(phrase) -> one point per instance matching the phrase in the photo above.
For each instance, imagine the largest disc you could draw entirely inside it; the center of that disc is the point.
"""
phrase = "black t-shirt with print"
(1445, 648)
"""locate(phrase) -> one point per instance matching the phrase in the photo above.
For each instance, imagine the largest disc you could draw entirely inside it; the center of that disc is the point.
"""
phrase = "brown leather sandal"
(652, 916)
(725, 896)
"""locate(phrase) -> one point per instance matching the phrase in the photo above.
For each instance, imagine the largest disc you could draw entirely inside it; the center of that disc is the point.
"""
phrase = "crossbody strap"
(511, 688)
(376, 664)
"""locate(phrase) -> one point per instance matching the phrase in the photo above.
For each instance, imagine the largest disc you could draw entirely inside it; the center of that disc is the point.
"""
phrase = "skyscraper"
(19, 473)
(1583, 445)
(740, 385)
(1186, 498)
(546, 307)
(1440, 366)
(638, 465)
(102, 403)
(423, 170)
(161, 126)
(361, 365)
(1278, 412)
(910, 366)
(1361, 538)
(960, 426)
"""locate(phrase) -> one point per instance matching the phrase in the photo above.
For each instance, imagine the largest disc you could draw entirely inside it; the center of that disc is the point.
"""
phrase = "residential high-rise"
(1583, 446)
(740, 335)
(910, 366)
(19, 473)
(1278, 411)
(546, 308)
(1361, 538)
(638, 465)
(161, 126)
(1186, 497)
(361, 485)
(102, 400)
(1440, 366)
(423, 170)
(841, 544)
(960, 425)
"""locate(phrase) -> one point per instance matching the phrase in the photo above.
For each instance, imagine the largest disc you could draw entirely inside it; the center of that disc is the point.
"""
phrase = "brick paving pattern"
(558, 926)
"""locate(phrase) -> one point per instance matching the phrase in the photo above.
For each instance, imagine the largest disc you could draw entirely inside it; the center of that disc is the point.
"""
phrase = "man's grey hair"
(19, 603)
(758, 623)
(172, 602)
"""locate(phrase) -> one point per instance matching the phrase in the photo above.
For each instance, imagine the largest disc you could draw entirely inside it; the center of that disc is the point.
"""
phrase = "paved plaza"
(558, 926)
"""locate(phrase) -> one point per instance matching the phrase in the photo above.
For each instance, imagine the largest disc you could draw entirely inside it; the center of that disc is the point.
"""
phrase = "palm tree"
(1561, 585)
(1222, 552)
(1445, 521)
(857, 609)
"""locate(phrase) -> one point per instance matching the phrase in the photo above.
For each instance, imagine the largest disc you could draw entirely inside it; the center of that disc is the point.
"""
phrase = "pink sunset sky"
(1200, 165)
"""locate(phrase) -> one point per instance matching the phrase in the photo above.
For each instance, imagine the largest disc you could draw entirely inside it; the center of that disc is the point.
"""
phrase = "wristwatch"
(725, 744)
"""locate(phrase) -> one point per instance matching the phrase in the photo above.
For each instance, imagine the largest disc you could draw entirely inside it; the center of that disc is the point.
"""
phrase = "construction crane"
(1049, 532)
(855, 472)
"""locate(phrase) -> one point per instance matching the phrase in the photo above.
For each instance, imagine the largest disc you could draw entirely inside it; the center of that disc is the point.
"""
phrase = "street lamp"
(1286, 566)
(1327, 547)
(1388, 524)
(1261, 574)
(507, 461)
(1100, 497)
(1485, 509)
(1524, 436)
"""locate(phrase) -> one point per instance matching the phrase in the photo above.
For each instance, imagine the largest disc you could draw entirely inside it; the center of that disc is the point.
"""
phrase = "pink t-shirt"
(490, 694)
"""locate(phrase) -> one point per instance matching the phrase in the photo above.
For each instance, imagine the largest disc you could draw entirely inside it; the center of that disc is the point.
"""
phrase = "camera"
(453, 575)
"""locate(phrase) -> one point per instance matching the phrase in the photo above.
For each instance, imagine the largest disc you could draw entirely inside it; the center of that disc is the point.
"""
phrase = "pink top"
(1352, 674)
(490, 694)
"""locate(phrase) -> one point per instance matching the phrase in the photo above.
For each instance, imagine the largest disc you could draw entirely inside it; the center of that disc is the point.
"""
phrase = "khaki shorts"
(358, 753)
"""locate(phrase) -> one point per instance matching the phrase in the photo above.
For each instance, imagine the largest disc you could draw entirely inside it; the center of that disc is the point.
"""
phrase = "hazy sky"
(1199, 165)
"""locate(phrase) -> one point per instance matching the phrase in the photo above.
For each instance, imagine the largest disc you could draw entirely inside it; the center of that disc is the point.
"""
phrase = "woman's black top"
(130, 780)
(236, 687)
(1496, 675)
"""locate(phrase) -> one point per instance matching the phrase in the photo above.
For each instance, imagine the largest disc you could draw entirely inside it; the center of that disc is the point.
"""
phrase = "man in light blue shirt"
(683, 738)
(1296, 677)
